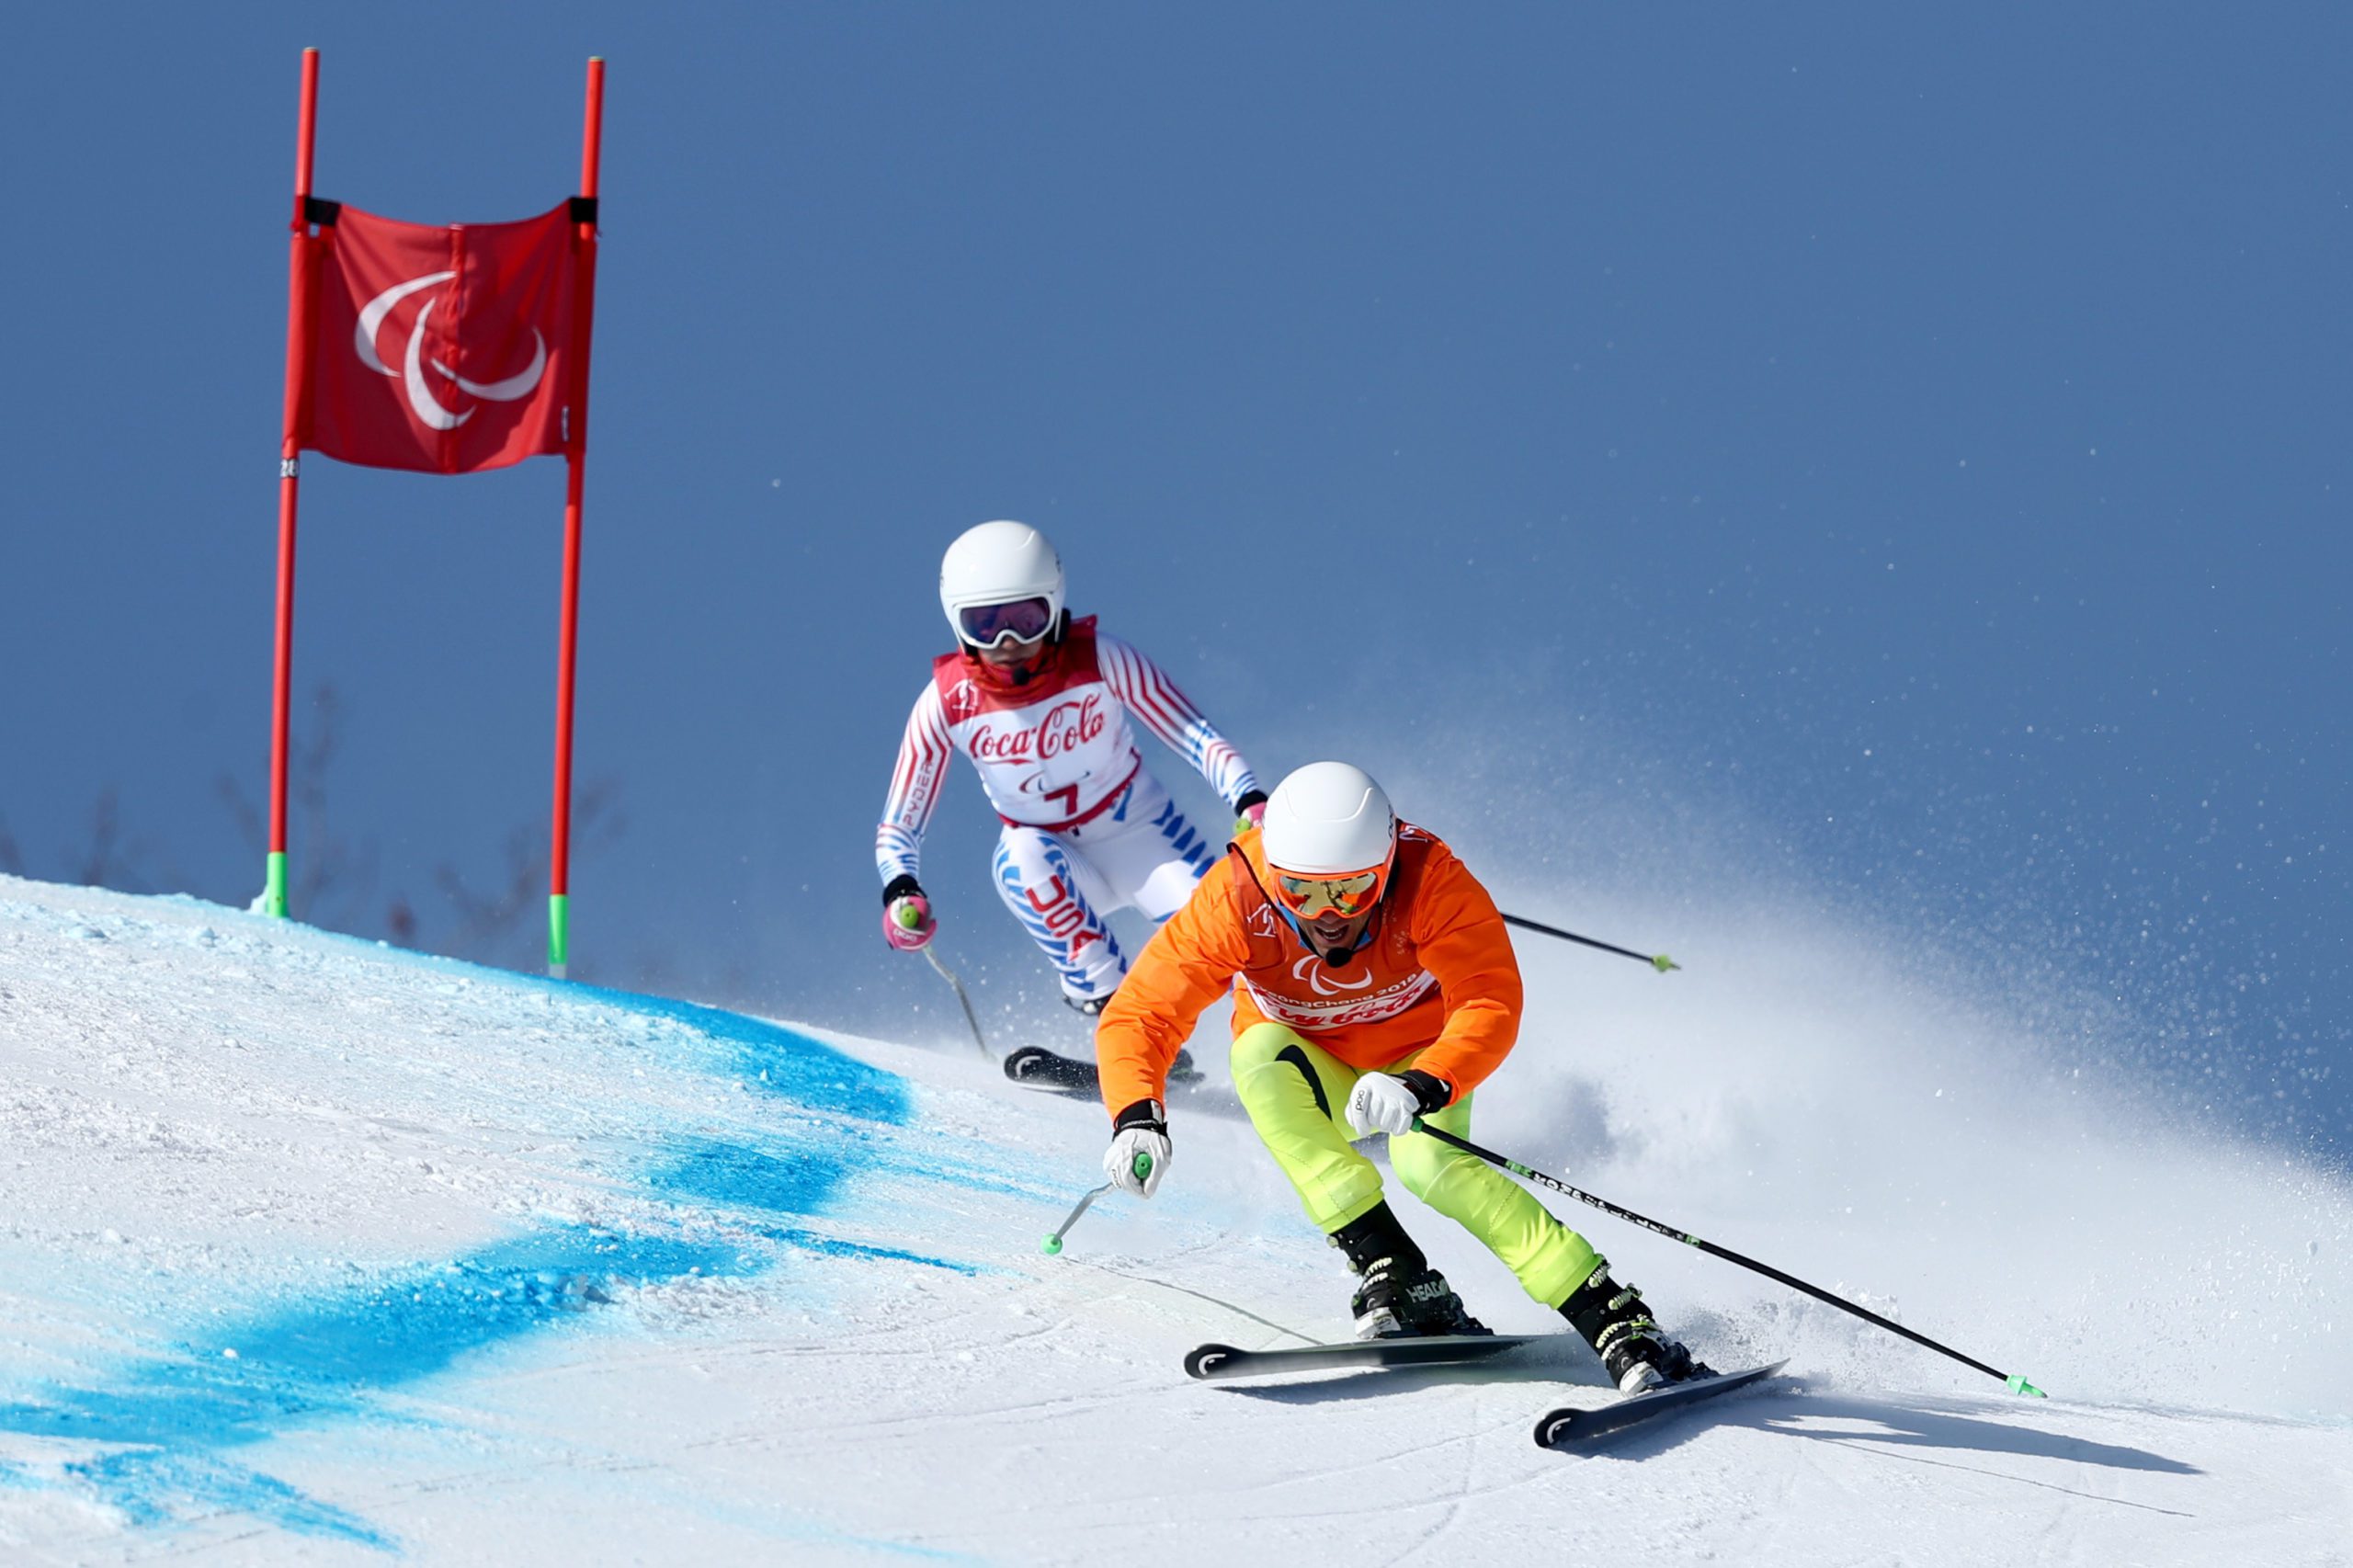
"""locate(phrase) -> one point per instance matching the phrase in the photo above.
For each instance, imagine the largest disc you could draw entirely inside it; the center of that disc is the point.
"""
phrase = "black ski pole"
(949, 975)
(2013, 1381)
(1658, 962)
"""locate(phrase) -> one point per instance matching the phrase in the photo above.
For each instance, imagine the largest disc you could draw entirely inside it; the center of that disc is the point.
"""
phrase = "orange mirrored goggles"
(1347, 896)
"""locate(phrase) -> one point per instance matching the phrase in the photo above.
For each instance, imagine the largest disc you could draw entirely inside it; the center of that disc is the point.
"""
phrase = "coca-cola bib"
(1289, 984)
(1053, 754)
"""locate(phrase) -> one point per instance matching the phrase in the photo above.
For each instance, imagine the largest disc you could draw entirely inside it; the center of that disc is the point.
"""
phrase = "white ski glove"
(1139, 1136)
(1383, 1103)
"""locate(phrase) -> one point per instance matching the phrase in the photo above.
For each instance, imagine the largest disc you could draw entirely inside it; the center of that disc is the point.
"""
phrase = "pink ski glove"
(907, 924)
(1250, 813)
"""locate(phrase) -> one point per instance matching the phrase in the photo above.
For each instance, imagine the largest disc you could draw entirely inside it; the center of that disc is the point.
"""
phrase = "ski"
(1570, 1424)
(1212, 1362)
(1034, 1067)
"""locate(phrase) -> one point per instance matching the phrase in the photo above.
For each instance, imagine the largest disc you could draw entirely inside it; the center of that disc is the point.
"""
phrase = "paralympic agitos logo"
(425, 399)
(1327, 982)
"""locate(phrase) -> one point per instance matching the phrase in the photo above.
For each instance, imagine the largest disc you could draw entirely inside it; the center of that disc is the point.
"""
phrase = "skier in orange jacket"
(1371, 978)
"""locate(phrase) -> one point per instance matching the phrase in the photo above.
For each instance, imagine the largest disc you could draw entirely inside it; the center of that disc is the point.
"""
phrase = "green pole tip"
(1142, 1167)
(2017, 1384)
(908, 916)
(1051, 1247)
(1663, 963)
(273, 898)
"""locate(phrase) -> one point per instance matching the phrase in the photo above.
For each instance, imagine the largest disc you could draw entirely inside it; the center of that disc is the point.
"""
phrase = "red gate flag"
(444, 348)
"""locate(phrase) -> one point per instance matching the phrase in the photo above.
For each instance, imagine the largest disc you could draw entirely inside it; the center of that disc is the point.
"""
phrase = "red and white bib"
(1050, 755)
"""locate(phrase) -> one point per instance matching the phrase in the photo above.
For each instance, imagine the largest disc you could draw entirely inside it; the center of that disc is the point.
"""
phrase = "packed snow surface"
(319, 1250)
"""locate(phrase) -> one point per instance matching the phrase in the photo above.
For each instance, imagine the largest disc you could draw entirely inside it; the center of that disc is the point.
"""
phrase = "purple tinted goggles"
(988, 626)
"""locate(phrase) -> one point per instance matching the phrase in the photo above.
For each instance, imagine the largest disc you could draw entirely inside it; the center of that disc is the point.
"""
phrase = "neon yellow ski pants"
(1297, 1096)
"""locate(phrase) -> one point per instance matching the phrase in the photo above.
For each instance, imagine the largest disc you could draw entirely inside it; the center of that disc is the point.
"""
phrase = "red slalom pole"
(299, 334)
(575, 458)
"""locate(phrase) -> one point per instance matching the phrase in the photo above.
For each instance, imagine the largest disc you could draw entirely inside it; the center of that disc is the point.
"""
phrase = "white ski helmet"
(1329, 819)
(1000, 562)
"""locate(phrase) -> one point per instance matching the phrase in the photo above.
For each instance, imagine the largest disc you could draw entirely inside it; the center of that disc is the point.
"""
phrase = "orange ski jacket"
(1439, 976)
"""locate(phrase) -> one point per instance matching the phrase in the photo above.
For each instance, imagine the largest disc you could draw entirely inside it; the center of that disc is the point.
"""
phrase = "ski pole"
(2013, 1381)
(949, 975)
(1054, 1242)
(1658, 962)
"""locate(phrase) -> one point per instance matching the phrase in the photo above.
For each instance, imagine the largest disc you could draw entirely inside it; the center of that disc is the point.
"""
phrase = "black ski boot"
(1401, 1294)
(1620, 1329)
(1394, 1301)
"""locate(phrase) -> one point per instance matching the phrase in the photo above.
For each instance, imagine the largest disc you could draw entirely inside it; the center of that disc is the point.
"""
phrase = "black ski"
(1210, 1362)
(1034, 1067)
(1570, 1425)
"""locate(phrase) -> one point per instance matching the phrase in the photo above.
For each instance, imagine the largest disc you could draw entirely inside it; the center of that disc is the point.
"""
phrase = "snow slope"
(316, 1251)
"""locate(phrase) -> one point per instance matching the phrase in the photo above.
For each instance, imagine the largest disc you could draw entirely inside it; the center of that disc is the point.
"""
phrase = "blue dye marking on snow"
(977, 1169)
(791, 1178)
(771, 1058)
(834, 1246)
(791, 1182)
(145, 1485)
(325, 1360)
(179, 1418)
(715, 1174)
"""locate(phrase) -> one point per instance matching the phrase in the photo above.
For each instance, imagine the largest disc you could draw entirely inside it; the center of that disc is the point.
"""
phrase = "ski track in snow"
(318, 1251)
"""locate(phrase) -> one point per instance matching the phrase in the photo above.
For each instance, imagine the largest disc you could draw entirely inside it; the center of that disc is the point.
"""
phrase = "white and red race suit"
(1087, 828)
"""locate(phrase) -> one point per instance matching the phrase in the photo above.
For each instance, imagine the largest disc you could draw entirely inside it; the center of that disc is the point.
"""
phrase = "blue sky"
(1912, 444)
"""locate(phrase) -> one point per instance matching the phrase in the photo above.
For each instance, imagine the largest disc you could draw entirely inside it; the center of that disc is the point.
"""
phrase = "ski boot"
(1635, 1353)
(1399, 1299)
(1401, 1294)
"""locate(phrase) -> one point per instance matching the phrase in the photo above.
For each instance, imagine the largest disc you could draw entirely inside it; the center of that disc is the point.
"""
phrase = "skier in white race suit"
(1040, 703)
